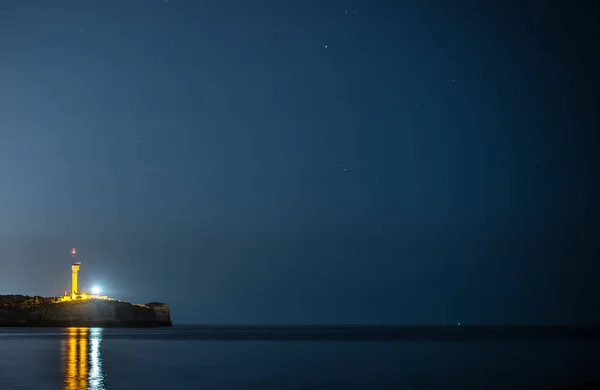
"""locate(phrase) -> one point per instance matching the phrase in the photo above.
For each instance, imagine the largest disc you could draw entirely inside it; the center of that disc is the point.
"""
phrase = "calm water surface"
(81, 358)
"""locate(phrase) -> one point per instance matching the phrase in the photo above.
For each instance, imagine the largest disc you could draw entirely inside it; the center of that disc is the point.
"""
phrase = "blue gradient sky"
(303, 162)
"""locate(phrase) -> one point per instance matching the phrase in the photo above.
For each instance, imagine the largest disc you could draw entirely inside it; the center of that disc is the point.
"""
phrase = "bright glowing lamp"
(96, 290)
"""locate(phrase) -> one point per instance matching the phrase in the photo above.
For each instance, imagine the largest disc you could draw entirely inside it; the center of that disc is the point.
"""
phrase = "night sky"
(305, 162)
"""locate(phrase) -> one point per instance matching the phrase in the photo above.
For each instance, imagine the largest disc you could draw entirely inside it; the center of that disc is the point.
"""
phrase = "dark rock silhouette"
(19, 310)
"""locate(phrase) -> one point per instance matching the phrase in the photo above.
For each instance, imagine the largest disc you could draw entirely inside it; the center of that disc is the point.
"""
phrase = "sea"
(185, 358)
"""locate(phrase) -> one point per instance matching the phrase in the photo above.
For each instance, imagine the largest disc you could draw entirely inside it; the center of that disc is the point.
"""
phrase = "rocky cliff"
(17, 310)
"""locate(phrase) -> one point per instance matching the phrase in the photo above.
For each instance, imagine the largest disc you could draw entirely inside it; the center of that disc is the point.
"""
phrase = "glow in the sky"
(96, 290)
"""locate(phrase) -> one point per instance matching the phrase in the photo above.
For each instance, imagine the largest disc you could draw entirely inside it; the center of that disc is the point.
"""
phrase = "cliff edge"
(19, 310)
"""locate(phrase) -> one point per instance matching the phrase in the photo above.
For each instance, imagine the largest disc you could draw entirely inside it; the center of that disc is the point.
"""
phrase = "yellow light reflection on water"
(82, 359)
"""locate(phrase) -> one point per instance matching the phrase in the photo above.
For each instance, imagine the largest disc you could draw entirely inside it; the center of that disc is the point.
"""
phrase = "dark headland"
(26, 311)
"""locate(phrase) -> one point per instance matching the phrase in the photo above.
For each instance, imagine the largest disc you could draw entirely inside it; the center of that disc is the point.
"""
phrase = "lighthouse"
(74, 274)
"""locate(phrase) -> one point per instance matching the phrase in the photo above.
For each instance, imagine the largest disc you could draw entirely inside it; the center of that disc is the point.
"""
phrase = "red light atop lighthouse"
(73, 252)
